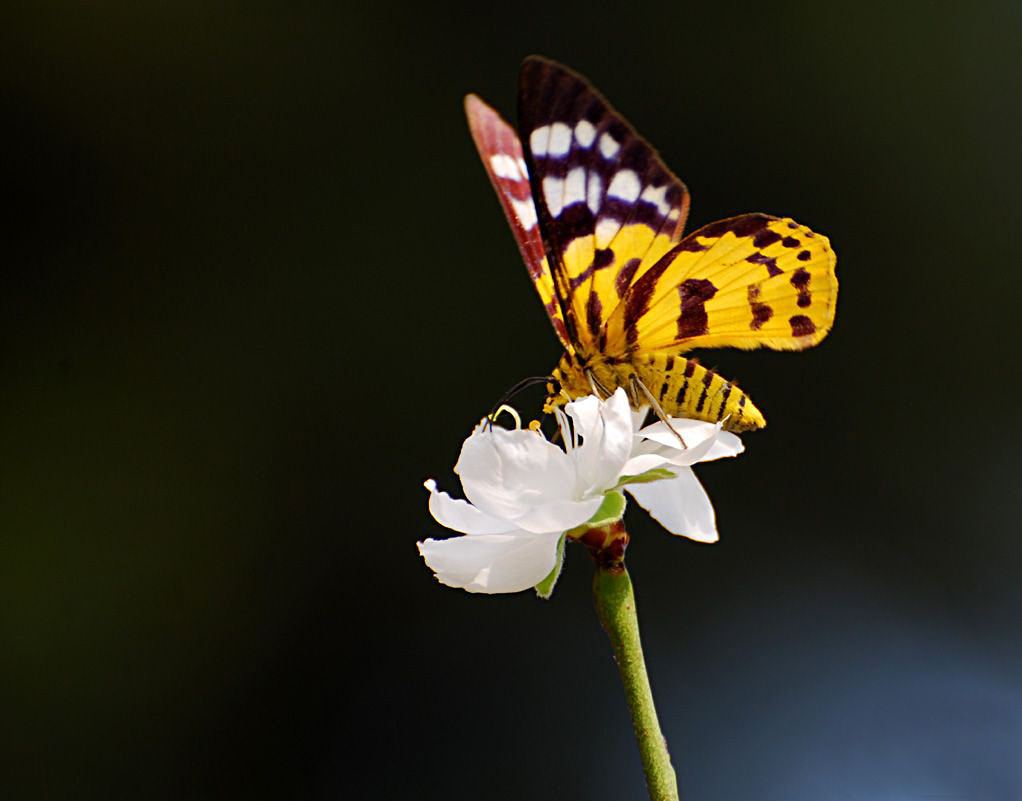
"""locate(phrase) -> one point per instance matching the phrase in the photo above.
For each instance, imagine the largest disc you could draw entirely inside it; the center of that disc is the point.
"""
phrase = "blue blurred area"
(255, 289)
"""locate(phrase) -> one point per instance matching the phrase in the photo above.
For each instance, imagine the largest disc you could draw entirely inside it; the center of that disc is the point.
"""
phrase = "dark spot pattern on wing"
(765, 239)
(691, 245)
(625, 275)
(594, 311)
(602, 258)
(639, 296)
(743, 225)
(801, 326)
(761, 312)
(767, 261)
(800, 280)
(694, 293)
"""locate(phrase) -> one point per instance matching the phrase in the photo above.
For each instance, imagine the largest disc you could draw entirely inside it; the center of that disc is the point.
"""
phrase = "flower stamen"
(568, 433)
(510, 410)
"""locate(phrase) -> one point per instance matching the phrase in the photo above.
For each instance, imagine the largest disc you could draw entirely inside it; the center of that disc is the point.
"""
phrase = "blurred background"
(255, 288)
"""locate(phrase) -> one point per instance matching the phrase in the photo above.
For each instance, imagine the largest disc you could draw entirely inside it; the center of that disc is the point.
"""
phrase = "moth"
(599, 220)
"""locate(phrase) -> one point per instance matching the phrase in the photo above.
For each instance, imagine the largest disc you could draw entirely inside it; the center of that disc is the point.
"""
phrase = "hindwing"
(504, 161)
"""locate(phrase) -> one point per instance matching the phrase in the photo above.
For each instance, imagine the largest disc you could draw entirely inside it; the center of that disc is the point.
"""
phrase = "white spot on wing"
(575, 186)
(553, 194)
(606, 230)
(594, 192)
(674, 214)
(525, 210)
(560, 140)
(585, 133)
(657, 197)
(538, 139)
(522, 168)
(504, 166)
(625, 185)
(608, 146)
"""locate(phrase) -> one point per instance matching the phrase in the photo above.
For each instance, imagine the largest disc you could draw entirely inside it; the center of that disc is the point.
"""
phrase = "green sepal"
(611, 510)
(656, 474)
(546, 587)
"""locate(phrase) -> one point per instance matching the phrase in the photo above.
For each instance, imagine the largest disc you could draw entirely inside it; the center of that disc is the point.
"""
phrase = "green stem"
(615, 604)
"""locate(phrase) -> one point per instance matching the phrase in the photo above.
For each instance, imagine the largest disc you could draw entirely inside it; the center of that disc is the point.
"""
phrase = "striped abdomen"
(683, 388)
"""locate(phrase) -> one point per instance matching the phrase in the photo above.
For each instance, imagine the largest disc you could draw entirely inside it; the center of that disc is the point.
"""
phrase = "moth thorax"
(574, 378)
(569, 382)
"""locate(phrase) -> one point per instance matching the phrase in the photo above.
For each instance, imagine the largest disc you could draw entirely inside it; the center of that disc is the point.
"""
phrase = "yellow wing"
(745, 282)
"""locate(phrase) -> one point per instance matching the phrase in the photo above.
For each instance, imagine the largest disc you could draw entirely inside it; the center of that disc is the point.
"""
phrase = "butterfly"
(599, 221)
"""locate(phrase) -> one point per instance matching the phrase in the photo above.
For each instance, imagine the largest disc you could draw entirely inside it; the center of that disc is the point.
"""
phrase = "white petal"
(695, 451)
(726, 444)
(639, 417)
(462, 516)
(692, 431)
(705, 441)
(585, 413)
(607, 439)
(492, 562)
(680, 504)
(507, 473)
(534, 470)
(642, 462)
(559, 515)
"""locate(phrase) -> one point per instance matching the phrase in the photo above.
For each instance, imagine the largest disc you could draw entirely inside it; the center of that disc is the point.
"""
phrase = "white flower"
(679, 504)
(525, 492)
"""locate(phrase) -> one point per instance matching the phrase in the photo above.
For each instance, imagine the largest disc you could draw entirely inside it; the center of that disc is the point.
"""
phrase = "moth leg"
(599, 390)
(659, 412)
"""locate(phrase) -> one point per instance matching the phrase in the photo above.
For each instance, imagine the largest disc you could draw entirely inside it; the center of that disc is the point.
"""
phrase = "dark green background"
(255, 288)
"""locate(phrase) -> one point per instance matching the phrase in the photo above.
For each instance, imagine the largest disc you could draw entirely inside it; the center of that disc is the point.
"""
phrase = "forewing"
(608, 207)
(502, 156)
(745, 282)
